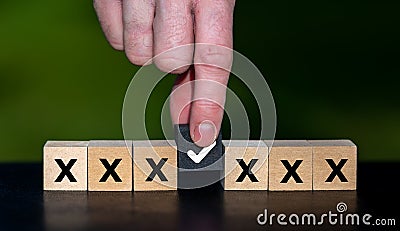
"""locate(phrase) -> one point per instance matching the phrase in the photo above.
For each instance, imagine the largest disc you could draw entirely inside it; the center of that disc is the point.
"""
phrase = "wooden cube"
(65, 165)
(334, 164)
(155, 165)
(246, 165)
(290, 165)
(110, 165)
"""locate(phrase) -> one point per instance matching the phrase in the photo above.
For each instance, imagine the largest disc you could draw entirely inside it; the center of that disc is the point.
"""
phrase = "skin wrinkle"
(221, 19)
(142, 20)
(217, 22)
(173, 28)
(103, 7)
(177, 19)
(136, 24)
(138, 34)
(140, 24)
(212, 108)
(214, 58)
(178, 34)
(150, 2)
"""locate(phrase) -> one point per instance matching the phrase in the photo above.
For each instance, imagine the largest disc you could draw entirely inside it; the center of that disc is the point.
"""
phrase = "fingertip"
(138, 60)
(116, 45)
(109, 14)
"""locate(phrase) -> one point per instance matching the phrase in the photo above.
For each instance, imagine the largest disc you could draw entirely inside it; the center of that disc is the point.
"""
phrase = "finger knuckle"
(207, 107)
(116, 44)
(174, 25)
(137, 26)
(213, 59)
(137, 59)
(172, 64)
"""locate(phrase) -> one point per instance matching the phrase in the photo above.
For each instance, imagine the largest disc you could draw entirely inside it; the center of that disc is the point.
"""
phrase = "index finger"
(212, 61)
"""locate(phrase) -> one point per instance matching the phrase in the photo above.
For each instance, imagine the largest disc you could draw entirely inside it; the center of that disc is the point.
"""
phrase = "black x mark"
(291, 171)
(246, 170)
(110, 170)
(65, 170)
(336, 170)
(156, 169)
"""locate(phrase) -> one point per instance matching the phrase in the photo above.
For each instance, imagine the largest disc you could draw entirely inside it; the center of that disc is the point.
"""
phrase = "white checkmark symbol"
(197, 158)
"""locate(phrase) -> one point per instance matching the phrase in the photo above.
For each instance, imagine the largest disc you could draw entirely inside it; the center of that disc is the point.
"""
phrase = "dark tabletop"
(25, 206)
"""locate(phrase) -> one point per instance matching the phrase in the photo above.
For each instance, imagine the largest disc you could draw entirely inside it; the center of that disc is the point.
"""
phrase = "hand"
(146, 28)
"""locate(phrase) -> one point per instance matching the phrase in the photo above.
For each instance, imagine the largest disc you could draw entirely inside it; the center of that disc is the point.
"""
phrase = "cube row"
(157, 165)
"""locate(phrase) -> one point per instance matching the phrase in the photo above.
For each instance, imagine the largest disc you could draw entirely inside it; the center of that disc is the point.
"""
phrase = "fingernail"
(205, 134)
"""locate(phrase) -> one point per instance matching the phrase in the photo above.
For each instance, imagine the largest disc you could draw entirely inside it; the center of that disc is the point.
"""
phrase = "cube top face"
(246, 165)
(155, 166)
(334, 165)
(56, 143)
(65, 165)
(244, 143)
(290, 166)
(332, 143)
(154, 143)
(287, 143)
(109, 166)
(110, 143)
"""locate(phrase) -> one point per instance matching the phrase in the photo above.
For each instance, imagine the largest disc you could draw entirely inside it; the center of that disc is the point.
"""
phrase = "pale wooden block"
(254, 155)
(117, 153)
(162, 154)
(326, 152)
(71, 155)
(290, 152)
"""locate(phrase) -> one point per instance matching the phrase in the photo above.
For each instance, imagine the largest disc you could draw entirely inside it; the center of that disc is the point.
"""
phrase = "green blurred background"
(333, 68)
